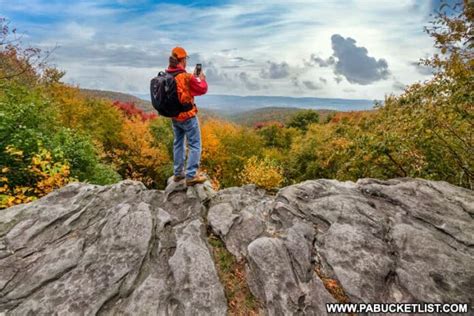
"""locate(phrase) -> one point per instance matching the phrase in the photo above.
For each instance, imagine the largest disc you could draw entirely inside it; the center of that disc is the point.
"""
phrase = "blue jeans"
(190, 129)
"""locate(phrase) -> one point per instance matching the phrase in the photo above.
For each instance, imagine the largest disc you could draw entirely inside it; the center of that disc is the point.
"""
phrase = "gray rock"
(402, 240)
(398, 240)
(238, 216)
(273, 280)
(221, 218)
(203, 192)
(196, 285)
(123, 249)
(86, 250)
(278, 253)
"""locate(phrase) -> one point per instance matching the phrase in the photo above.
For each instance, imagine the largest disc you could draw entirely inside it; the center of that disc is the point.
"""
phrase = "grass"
(232, 274)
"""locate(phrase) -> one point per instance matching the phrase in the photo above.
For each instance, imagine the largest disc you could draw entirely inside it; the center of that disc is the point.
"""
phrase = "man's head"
(178, 56)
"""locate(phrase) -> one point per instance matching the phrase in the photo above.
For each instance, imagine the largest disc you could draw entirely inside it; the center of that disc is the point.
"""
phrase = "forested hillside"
(51, 133)
(118, 96)
(267, 115)
(249, 118)
(129, 100)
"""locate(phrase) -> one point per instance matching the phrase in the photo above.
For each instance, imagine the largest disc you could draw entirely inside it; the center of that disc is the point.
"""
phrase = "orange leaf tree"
(139, 157)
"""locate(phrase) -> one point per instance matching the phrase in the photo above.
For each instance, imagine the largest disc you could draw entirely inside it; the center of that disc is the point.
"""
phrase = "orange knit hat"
(179, 53)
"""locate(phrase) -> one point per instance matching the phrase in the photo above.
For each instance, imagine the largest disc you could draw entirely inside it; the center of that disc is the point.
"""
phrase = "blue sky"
(343, 49)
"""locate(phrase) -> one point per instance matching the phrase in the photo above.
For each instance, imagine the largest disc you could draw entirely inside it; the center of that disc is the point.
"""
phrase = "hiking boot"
(178, 178)
(199, 178)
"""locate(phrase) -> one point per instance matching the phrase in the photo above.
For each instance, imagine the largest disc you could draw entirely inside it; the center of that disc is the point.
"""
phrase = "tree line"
(52, 134)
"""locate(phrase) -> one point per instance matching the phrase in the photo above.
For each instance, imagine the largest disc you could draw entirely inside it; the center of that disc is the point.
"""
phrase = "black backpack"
(164, 95)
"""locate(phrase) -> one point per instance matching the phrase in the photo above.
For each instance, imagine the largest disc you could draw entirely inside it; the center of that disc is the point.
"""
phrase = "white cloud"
(76, 31)
(105, 46)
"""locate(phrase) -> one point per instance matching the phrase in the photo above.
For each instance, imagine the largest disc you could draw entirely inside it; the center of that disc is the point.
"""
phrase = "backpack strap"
(175, 73)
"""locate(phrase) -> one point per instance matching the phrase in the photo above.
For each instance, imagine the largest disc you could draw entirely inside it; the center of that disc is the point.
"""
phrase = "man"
(186, 123)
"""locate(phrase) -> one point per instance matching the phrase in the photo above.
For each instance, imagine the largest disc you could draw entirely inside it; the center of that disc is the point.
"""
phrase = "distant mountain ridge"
(271, 114)
(247, 110)
(231, 104)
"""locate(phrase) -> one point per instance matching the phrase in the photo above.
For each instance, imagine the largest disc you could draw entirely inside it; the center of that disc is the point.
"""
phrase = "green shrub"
(301, 120)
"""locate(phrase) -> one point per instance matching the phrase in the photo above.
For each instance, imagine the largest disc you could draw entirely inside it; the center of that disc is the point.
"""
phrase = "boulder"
(120, 249)
(401, 240)
(124, 249)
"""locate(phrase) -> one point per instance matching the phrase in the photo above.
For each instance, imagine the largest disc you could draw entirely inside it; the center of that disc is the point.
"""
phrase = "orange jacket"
(188, 87)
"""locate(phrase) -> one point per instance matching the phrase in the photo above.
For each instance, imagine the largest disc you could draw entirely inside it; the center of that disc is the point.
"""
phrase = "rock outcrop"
(123, 249)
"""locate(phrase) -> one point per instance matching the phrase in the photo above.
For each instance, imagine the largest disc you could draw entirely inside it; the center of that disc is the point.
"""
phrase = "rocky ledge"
(123, 249)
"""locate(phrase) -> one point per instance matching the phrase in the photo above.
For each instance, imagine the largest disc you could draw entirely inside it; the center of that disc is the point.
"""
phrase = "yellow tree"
(137, 157)
(262, 172)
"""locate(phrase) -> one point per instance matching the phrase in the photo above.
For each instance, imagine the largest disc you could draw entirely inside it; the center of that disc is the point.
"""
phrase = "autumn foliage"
(130, 110)
(226, 149)
(46, 174)
(52, 134)
(136, 156)
(262, 172)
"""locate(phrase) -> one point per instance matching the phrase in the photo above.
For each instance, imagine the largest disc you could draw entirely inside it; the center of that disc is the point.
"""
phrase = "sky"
(357, 49)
